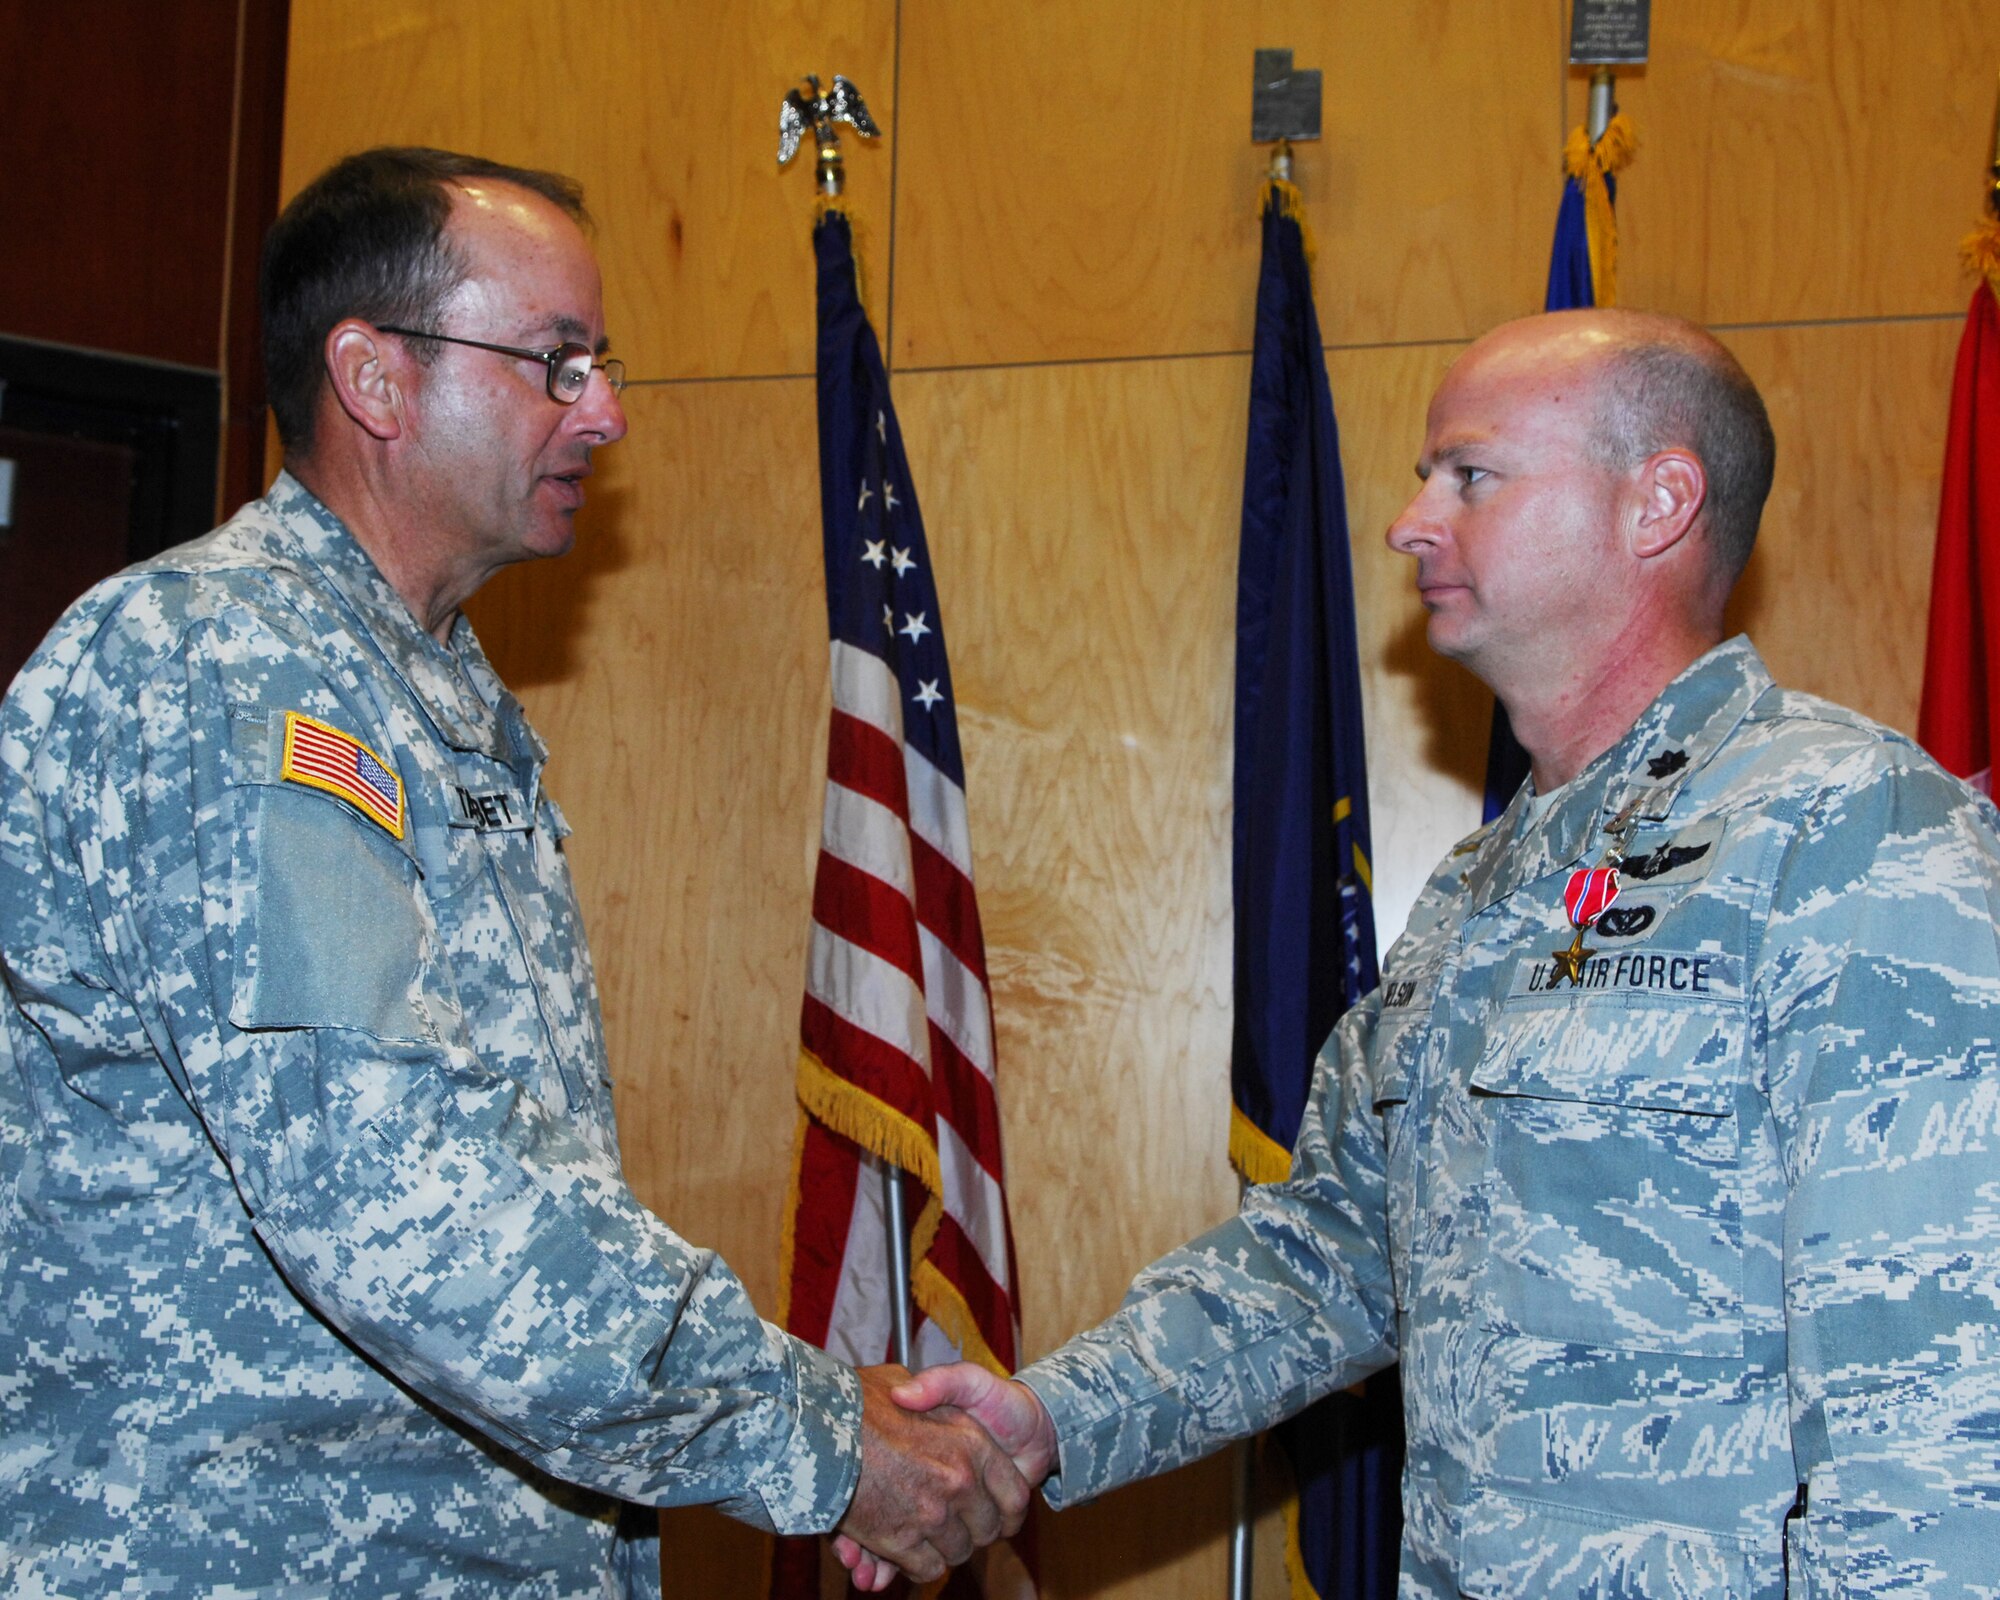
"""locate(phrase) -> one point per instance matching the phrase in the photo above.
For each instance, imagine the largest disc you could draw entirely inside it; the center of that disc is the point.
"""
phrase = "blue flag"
(1305, 923)
(1569, 258)
(1569, 290)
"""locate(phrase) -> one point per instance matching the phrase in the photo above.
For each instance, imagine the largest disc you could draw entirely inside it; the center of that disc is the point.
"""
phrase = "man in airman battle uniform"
(1666, 1158)
(318, 1272)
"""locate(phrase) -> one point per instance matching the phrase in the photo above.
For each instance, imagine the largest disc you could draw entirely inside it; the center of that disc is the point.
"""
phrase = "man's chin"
(1448, 637)
(555, 537)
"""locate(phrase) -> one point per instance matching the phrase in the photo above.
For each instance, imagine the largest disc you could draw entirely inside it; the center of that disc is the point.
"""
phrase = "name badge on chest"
(489, 810)
(1409, 993)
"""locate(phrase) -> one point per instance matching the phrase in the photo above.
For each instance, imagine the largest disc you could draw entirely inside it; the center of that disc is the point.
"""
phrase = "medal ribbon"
(1590, 893)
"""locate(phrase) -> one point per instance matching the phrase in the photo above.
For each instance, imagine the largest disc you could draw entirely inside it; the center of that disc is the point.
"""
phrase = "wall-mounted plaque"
(1283, 104)
(1609, 32)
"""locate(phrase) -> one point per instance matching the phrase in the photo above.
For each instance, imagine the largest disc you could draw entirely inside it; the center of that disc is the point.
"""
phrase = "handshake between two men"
(949, 1459)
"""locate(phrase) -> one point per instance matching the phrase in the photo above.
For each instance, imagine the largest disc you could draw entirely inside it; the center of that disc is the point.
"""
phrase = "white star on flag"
(862, 503)
(889, 500)
(882, 427)
(914, 627)
(927, 693)
(903, 562)
(876, 553)
(888, 619)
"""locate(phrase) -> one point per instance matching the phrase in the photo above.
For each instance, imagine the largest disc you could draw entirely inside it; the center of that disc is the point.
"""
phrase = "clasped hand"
(948, 1461)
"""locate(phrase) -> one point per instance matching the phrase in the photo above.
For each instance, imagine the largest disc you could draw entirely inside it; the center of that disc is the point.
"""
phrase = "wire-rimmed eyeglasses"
(570, 365)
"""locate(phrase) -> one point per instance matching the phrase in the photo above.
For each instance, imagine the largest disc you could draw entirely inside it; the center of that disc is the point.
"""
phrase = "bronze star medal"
(1569, 963)
(1588, 895)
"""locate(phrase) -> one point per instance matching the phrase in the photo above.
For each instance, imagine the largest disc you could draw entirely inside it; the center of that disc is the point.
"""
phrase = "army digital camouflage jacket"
(1662, 1230)
(318, 1273)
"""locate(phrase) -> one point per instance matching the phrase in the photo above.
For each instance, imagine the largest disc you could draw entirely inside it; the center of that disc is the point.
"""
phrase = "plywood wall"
(1060, 251)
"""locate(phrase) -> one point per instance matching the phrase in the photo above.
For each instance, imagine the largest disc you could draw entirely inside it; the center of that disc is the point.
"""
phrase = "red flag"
(1957, 721)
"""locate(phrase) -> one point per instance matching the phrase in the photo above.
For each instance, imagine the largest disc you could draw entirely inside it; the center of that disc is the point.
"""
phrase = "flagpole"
(1603, 104)
(1993, 193)
(1241, 1523)
(899, 1259)
(1284, 105)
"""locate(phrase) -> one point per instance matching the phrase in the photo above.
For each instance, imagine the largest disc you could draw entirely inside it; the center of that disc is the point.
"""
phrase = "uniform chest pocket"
(460, 823)
(1393, 1081)
(1615, 1173)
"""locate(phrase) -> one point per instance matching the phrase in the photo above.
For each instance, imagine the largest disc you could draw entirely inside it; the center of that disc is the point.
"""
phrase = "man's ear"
(366, 370)
(1672, 488)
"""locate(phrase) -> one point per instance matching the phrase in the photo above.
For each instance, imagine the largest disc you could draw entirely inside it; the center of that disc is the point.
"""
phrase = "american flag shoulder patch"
(322, 757)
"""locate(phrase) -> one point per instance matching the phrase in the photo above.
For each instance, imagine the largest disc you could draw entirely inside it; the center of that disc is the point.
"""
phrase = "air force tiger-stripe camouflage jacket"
(1662, 1230)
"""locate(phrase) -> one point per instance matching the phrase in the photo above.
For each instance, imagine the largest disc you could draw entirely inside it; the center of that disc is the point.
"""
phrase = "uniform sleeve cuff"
(807, 1486)
(1071, 1481)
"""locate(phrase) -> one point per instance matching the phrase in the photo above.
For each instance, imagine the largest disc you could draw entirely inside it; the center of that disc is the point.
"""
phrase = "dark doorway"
(108, 459)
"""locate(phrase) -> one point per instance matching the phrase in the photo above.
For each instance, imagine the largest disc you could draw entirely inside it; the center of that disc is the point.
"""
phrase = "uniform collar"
(1637, 779)
(456, 684)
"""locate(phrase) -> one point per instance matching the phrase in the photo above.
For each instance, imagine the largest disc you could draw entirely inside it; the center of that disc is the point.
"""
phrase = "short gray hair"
(1676, 386)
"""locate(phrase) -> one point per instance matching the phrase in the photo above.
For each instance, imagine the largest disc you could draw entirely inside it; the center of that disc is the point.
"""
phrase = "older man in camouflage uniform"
(318, 1274)
(1679, 1206)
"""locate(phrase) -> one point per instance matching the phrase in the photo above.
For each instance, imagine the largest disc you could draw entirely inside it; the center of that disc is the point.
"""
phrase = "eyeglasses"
(570, 365)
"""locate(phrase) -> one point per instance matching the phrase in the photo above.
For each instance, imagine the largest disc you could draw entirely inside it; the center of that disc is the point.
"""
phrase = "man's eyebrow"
(1428, 464)
(570, 331)
(1450, 455)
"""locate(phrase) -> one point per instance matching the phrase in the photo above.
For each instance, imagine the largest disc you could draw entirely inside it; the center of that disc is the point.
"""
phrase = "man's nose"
(602, 408)
(1414, 527)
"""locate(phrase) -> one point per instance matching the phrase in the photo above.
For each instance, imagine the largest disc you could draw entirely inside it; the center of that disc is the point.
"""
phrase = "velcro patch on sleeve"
(322, 757)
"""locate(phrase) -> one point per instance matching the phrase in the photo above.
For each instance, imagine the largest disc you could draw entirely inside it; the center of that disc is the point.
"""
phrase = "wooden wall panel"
(1075, 186)
(1081, 519)
(1806, 160)
(668, 112)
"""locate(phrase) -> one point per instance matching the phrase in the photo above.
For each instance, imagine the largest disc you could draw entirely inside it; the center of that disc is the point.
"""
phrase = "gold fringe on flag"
(1254, 1153)
(853, 1113)
(1293, 204)
(1590, 164)
(1981, 251)
(938, 1298)
(1295, 1552)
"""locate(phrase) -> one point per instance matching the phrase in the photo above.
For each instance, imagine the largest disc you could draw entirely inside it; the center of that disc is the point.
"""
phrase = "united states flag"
(897, 1064)
(322, 757)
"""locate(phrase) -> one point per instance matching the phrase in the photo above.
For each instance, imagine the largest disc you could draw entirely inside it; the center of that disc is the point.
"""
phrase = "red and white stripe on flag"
(897, 1059)
(897, 1064)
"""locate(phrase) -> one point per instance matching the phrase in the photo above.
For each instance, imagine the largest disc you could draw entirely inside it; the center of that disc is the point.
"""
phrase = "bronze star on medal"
(1569, 963)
